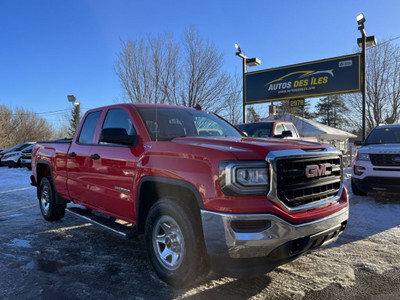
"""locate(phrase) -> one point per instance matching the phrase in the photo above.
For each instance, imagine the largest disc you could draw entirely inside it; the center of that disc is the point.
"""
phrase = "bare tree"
(383, 88)
(158, 70)
(148, 69)
(6, 131)
(204, 83)
(233, 101)
(21, 126)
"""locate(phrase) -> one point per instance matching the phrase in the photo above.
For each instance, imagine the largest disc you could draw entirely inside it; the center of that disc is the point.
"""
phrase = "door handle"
(95, 156)
(72, 154)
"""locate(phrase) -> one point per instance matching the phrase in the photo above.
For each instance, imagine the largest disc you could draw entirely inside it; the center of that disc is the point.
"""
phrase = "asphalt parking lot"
(71, 259)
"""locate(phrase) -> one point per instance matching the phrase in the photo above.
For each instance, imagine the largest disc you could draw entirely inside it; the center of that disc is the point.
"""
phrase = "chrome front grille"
(306, 181)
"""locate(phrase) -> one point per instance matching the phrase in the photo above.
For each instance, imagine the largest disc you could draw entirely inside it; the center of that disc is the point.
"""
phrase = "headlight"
(244, 177)
(363, 156)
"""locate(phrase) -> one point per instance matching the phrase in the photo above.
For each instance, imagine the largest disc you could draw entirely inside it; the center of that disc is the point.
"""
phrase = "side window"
(88, 128)
(278, 129)
(291, 128)
(119, 119)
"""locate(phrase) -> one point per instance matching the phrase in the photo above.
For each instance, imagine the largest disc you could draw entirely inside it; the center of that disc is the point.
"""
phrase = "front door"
(112, 169)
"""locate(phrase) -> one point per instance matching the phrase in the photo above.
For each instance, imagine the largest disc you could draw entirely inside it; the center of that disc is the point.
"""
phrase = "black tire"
(175, 243)
(356, 190)
(50, 210)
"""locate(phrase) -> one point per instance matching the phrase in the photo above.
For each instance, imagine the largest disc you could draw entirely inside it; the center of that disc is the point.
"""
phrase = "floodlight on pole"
(251, 62)
(360, 19)
(71, 98)
(238, 48)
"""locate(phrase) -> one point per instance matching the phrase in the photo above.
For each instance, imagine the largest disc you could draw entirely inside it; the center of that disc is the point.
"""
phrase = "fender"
(59, 199)
(144, 206)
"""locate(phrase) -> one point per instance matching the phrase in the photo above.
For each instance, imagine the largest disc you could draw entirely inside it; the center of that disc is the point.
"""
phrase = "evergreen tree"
(301, 111)
(75, 119)
(330, 111)
(252, 115)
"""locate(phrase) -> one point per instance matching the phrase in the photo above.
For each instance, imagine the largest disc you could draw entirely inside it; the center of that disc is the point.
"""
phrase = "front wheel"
(175, 243)
(49, 208)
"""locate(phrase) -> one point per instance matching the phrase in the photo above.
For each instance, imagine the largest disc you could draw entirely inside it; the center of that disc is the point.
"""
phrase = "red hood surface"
(245, 148)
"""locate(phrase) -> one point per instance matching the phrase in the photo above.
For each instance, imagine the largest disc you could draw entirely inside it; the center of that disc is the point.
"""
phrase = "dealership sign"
(337, 75)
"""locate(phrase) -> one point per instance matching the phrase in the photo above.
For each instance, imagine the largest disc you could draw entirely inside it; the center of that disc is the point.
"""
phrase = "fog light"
(358, 170)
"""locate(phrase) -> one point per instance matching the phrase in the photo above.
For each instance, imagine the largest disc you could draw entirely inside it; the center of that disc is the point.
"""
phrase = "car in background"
(376, 167)
(18, 147)
(270, 129)
(26, 156)
(12, 157)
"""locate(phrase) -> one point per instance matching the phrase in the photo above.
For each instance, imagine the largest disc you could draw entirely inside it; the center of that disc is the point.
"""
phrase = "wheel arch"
(43, 169)
(153, 188)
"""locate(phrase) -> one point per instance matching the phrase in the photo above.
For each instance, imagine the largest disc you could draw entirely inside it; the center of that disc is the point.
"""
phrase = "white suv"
(376, 166)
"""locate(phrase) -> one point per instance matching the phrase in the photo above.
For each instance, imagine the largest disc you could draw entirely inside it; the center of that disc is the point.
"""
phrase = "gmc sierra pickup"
(203, 194)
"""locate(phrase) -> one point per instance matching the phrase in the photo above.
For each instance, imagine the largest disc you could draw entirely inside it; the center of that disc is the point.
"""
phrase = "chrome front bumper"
(222, 240)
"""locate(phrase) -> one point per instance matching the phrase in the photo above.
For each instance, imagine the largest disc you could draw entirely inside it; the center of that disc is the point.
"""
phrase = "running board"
(126, 232)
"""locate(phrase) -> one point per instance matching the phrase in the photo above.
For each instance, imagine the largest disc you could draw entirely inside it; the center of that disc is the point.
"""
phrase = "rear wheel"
(50, 210)
(356, 190)
(175, 243)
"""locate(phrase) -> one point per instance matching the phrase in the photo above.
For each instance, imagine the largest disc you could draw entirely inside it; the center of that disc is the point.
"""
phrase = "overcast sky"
(53, 48)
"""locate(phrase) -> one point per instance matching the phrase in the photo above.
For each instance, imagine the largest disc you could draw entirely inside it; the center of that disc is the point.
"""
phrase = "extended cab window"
(292, 129)
(89, 127)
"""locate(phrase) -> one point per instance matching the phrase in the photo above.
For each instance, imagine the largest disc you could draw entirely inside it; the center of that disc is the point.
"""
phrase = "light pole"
(364, 42)
(77, 108)
(251, 62)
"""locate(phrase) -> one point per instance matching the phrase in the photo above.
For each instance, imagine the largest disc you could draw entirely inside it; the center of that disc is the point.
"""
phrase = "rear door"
(78, 161)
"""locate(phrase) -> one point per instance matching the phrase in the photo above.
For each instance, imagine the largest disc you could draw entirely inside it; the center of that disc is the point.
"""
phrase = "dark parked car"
(26, 156)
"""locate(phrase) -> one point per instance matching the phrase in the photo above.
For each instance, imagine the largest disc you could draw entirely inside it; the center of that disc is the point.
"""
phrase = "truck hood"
(380, 149)
(245, 148)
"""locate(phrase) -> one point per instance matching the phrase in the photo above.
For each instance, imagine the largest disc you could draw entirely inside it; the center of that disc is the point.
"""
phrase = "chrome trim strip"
(274, 156)
(120, 189)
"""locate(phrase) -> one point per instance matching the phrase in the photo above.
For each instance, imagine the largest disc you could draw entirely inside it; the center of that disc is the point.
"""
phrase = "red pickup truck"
(202, 193)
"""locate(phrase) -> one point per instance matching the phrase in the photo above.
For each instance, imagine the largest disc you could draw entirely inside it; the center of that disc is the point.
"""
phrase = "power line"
(45, 113)
(385, 42)
(35, 113)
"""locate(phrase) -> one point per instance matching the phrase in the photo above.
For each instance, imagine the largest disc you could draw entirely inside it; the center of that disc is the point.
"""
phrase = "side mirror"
(358, 143)
(118, 136)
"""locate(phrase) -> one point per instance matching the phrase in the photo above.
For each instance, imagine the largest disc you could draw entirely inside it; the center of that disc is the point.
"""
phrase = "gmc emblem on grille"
(313, 171)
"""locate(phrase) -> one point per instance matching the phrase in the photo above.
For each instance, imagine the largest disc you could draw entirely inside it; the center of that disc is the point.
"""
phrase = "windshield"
(384, 135)
(256, 129)
(164, 124)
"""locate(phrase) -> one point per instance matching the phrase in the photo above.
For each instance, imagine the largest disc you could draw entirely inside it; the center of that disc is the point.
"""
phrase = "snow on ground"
(370, 244)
